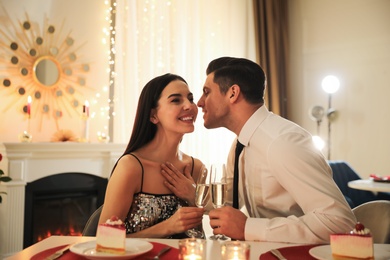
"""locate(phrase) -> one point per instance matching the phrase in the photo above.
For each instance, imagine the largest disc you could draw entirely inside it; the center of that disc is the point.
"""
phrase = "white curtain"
(154, 37)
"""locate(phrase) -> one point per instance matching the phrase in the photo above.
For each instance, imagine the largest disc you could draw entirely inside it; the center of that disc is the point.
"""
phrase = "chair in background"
(92, 223)
(342, 174)
(375, 215)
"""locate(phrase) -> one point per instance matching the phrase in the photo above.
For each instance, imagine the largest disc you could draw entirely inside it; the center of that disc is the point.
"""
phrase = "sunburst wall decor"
(44, 64)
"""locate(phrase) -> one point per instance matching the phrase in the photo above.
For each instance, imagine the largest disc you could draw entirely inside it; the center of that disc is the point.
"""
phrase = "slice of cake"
(111, 236)
(357, 244)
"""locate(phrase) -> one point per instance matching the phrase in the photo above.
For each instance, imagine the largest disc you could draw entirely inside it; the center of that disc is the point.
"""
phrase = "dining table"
(48, 246)
(259, 250)
(370, 185)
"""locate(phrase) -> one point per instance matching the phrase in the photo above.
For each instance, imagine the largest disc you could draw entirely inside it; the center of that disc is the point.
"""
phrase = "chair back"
(344, 173)
(375, 215)
(92, 223)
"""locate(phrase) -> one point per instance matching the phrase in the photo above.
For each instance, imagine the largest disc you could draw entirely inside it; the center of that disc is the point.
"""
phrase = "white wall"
(350, 39)
(84, 23)
(347, 38)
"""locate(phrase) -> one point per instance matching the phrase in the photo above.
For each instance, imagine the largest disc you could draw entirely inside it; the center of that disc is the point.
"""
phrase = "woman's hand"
(184, 219)
(181, 184)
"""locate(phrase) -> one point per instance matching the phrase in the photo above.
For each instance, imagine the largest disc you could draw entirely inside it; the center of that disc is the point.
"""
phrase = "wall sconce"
(330, 84)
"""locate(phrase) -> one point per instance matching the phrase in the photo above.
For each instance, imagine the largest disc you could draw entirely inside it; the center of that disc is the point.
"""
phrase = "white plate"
(134, 247)
(381, 252)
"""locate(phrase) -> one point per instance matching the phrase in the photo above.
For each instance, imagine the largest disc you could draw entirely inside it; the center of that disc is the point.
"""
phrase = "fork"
(277, 253)
(58, 253)
(162, 251)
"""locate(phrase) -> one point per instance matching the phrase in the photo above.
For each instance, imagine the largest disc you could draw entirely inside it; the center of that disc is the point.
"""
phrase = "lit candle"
(86, 108)
(192, 257)
(235, 250)
(29, 105)
(192, 249)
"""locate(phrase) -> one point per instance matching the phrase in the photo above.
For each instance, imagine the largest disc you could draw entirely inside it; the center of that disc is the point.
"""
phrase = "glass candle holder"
(103, 138)
(235, 250)
(192, 249)
(25, 137)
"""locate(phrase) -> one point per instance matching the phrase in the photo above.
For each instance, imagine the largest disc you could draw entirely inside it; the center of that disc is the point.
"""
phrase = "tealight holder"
(235, 250)
(192, 249)
(25, 137)
(103, 138)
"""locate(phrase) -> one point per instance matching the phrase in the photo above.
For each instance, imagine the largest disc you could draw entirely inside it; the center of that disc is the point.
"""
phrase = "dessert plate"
(134, 248)
(381, 252)
(378, 178)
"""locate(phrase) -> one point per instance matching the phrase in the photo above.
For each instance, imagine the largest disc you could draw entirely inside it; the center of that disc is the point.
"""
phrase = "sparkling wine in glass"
(201, 194)
(218, 191)
(218, 182)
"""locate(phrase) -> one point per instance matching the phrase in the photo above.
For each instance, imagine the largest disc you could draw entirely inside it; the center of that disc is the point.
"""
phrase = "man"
(285, 184)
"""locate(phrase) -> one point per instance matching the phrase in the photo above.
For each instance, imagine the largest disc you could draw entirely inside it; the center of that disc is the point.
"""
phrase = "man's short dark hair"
(243, 72)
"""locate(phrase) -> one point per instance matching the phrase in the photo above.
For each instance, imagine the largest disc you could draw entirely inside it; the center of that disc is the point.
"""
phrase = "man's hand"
(228, 221)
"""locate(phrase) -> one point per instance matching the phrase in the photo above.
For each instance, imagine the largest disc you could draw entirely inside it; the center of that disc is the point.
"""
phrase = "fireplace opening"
(61, 204)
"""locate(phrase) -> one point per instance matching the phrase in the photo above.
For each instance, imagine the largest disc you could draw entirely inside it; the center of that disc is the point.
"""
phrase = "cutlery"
(277, 253)
(58, 253)
(162, 251)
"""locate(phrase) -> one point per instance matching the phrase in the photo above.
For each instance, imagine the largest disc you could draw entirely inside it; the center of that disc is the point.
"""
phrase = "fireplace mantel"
(27, 162)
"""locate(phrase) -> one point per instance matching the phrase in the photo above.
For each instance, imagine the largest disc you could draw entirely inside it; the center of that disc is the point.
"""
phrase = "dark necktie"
(239, 147)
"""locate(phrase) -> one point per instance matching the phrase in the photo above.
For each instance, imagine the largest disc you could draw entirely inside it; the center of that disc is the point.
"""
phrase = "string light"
(109, 39)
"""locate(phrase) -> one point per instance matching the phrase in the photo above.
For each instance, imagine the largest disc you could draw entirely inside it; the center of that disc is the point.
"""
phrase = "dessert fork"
(277, 253)
(162, 251)
(58, 253)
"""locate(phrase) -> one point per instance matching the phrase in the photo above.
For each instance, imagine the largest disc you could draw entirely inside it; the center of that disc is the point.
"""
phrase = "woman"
(151, 186)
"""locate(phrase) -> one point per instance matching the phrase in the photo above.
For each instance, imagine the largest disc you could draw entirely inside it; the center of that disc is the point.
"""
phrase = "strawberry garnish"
(114, 218)
(359, 226)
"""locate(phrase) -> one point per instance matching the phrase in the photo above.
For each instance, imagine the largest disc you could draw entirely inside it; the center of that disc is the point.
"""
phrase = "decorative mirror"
(42, 64)
(46, 71)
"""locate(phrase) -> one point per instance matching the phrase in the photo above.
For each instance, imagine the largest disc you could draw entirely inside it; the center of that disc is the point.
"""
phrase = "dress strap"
(193, 165)
(142, 167)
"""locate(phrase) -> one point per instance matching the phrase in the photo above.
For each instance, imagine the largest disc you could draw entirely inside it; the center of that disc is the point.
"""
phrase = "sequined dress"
(149, 209)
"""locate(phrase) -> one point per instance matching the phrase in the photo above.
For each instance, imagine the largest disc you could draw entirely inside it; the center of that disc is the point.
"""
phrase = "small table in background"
(370, 185)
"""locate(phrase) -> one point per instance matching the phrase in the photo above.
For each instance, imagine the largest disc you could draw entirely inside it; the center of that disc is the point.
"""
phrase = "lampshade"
(318, 142)
(330, 84)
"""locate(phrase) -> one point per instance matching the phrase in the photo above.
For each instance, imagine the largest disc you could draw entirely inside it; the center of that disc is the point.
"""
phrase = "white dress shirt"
(285, 185)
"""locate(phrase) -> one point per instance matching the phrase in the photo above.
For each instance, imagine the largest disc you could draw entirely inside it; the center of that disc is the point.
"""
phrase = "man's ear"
(234, 92)
(153, 116)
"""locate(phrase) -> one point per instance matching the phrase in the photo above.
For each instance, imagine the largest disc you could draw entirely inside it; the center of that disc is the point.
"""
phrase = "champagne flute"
(218, 182)
(201, 194)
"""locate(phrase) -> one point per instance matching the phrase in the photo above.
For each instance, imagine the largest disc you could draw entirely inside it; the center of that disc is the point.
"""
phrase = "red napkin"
(291, 253)
(171, 254)
(67, 255)
(378, 178)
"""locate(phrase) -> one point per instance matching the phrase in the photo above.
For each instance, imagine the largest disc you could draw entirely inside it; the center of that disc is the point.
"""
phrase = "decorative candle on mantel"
(86, 108)
(29, 100)
(84, 137)
(26, 137)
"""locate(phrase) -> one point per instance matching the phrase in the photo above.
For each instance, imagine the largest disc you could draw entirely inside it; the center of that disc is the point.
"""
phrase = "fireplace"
(31, 163)
(60, 204)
